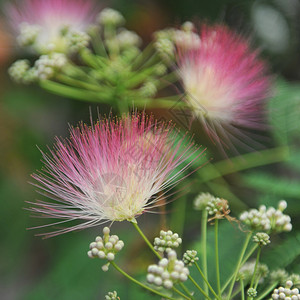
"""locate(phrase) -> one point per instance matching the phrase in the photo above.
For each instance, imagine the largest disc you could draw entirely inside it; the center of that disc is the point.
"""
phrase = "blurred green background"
(58, 268)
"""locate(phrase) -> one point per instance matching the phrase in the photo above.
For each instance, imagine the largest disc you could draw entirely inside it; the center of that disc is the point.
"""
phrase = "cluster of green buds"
(119, 62)
(286, 292)
(112, 296)
(268, 219)
(216, 206)
(77, 40)
(251, 292)
(279, 275)
(167, 241)
(246, 272)
(295, 278)
(127, 38)
(110, 17)
(66, 42)
(21, 72)
(190, 257)
(113, 69)
(201, 201)
(116, 37)
(261, 238)
(168, 271)
(106, 247)
(45, 67)
(169, 39)
(164, 44)
(52, 46)
(28, 34)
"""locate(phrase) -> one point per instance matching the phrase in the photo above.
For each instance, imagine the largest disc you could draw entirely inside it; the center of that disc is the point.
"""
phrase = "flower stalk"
(255, 268)
(136, 226)
(206, 281)
(247, 240)
(204, 246)
(139, 283)
(217, 257)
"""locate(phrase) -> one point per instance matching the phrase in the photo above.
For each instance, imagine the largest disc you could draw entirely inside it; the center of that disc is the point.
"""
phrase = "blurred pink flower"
(112, 171)
(226, 84)
(43, 23)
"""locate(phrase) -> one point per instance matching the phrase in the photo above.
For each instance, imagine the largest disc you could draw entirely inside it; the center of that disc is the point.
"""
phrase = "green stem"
(97, 43)
(122, 106)
(89, 59)
(78, 83)
(139, 77)
(151, 60)
(198, 287)
(237, 291)
(249, 253)
(136, 226)
(217, 257)
(254, 273)
(134, 223)
(82, 74)
(247, 161)
(239, 263)
(159, 103)
(180, 293)
(206, 281)
(204, 246)
(255, 268)
(178, 216)
(143, 57)
(246, 257)
(256, 283)
(267, 291)
(242, 290)
(139, 283)
(167, 79)
(70, 92)
(186, 290)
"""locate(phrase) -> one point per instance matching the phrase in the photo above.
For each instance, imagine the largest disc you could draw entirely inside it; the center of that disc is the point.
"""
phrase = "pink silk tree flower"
(46, 25)
(225, 82)
(112, 171)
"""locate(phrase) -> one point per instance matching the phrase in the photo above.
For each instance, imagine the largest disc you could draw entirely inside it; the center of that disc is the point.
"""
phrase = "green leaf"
(284, 109)
(280, 187)
(283, 254)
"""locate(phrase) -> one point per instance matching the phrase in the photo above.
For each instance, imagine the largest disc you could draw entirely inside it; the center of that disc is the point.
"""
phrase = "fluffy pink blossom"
(225, 81)
(44, 23)
(113, 171)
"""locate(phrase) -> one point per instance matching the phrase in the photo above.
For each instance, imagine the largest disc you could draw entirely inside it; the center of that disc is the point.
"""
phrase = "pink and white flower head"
(225, 82)
(45, 24)
(113, 171)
